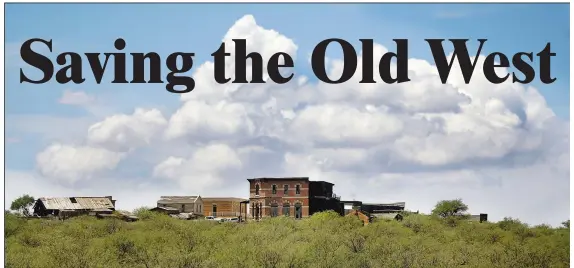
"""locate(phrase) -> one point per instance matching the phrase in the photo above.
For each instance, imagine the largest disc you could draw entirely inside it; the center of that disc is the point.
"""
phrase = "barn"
(73, 206)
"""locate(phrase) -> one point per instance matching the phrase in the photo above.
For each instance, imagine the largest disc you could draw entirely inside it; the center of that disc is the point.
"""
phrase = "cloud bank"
(499, 147)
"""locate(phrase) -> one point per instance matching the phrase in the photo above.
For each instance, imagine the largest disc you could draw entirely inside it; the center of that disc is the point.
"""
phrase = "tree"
(144, 213)
(22, 204)
(449, 208)
(566, 224)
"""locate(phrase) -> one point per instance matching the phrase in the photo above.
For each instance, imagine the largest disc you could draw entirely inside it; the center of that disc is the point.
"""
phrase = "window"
(274, 210)
(182, 208)
(214, 210)
(273, 189)
(286, 209)
(297, 189)
(298, 211)
(73, 200)
(285, 189)
(257, 189)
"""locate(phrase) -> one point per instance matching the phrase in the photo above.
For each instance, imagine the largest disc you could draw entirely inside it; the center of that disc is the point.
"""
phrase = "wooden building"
(73, 206)
(482, 217)
(222, 207)
(296, 197)
(166, 210)
(375, 209)
(124, 216)
(386, 211)
(185, 204)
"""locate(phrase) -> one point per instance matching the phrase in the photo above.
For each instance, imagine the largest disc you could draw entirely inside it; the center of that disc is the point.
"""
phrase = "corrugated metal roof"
(397, 204)
(211, 199)
(177, 199)
(75, 203)
(165, 208)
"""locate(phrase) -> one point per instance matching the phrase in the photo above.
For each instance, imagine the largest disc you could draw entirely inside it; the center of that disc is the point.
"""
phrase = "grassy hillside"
(325, 240)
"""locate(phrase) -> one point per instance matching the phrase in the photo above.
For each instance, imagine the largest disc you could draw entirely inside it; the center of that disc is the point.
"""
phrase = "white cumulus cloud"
(74, 163)
(123, 132)
(498, 147)
(80, 98)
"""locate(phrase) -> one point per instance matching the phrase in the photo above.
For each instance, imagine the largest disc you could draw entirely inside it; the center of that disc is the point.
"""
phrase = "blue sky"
(32, 111)
(165, 28)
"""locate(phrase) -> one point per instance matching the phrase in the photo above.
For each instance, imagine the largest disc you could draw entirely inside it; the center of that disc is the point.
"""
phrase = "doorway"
(298, 211)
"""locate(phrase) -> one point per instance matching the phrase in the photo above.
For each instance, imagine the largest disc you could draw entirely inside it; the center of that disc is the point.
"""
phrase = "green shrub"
(323, 240)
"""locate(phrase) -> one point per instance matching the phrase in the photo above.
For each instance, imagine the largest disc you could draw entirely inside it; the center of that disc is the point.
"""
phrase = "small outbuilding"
(65, 207)
(165, 210)
(184, 204)
(482, 217)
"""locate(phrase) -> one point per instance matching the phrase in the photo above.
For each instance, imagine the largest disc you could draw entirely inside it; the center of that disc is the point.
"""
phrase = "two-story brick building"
(296, 197)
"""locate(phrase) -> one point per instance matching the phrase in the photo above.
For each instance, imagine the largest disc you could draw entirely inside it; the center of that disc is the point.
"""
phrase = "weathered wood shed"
(73, 206)
(165, 210)
(184, 204)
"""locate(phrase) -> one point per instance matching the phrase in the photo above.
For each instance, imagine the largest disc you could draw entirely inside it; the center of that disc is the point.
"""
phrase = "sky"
(503, 149)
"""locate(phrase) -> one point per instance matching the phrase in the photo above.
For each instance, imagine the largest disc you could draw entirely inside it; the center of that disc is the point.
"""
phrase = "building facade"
(185, 204)
(376, 209)
(222, 207)
(296, 197)
(482, 217)
(387, 211)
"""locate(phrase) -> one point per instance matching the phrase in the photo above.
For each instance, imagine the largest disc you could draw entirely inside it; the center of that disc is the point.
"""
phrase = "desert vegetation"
(323, 240)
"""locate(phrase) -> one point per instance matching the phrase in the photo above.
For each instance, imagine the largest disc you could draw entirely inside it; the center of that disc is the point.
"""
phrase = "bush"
(323, 240)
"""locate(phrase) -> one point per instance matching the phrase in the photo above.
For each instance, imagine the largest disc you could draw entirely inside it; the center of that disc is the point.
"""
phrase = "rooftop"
(279, 178)
(396, 204)
(76, 203)
(165, 208)
(322, 182)
(178, 199)
(211, 199)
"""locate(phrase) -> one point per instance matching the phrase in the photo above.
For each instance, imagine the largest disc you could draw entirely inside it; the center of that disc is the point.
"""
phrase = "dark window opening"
(73, 200)
(286, 209)
(214, 210)
(274, 210)
(256, 212)
(274, 189)
(298, 189)
(298, 211)
(257, 189)
(259, 211)
(285, 189)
